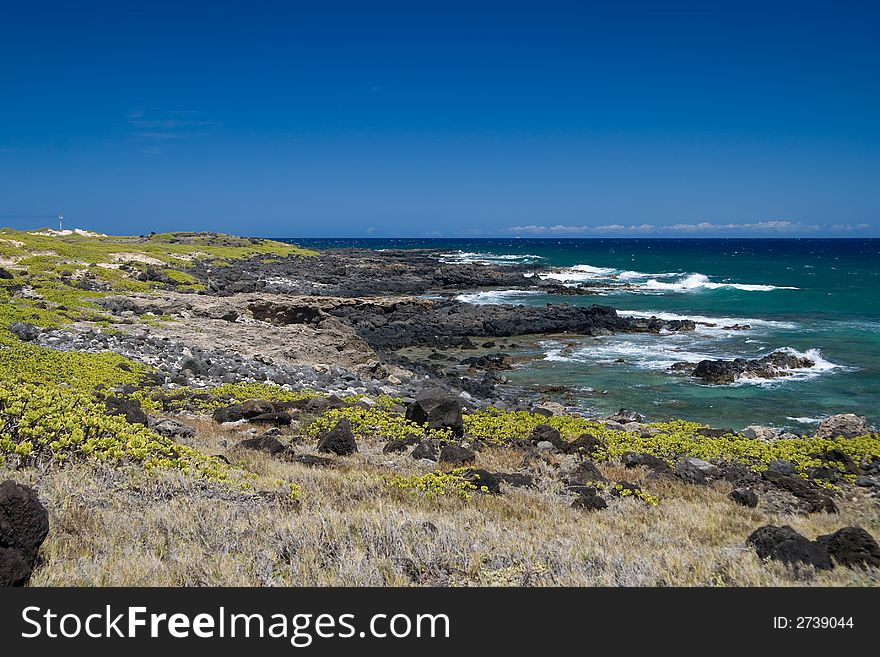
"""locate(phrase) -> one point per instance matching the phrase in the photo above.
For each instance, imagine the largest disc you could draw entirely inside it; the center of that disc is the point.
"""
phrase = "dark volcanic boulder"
(437, 409)
(585, 474)
(339, 440)
(586, 444)
(624, 416)
(129, 408)
(14, 570)
(494, 362)
(745, 497)
(545, 433)
(269, 444)
(813, 498)
(393, 446)
(485, 481)
(320, 404)
(589, 500)
(6, 275)
(172, 428)
(852, 546)
(786, 545)
(695, 471)
(516, 479)
(24, 523)
(426, 449)
(312, 461)
(400, 445)
(243, 411)
(275, 418)
(770, 366)
(456, 454)
(26, 332)
(653, 463)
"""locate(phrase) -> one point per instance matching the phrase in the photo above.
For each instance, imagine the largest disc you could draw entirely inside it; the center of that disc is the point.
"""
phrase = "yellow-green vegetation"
(169, 248)
(25, 363)
(500, 427)
(436, 484)
(48, 424)
(64, 274)
(665, 440)
(48, 409)
(622, 490)
(376, 421)
(670, 440)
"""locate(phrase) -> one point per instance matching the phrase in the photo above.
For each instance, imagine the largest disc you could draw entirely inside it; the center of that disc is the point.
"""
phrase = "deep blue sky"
(419, 118)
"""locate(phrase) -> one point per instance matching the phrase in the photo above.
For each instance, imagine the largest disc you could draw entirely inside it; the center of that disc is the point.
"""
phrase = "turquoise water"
(819, 297)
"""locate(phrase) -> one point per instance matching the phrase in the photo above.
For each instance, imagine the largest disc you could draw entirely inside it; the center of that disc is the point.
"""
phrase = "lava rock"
(517, 480)
(25, 332)
(852, 546)
(483, 479)
(772, 365)
(269, 444)
(128, 408)
(782, 467)
(585, 444)
(456, 454)
(745, 497)
(837, 456)
(624, 416)
(695, 471)
(814, 499)
(786, 545)
(437, 409)
(276, 418)
(393, 446)
(653, 463)
(426, 449)
(585, 474)
(589, 500)
(312, 461)
(243, 411)
(339, 440)
(6, 275)
(544, 433)
(172, 428)
(24, 523)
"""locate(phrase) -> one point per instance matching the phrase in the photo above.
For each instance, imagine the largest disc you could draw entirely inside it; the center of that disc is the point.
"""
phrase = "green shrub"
(435, 484)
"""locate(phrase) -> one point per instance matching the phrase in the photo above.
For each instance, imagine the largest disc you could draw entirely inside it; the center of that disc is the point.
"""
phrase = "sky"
(452, 119)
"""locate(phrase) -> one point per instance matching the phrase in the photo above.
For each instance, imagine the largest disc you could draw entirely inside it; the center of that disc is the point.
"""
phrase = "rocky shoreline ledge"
(196, 374)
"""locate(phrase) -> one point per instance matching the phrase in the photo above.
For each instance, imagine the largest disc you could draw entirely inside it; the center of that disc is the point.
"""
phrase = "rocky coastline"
(357, 366)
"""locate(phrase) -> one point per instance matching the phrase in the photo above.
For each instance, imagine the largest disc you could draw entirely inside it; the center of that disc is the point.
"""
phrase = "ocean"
(819, 297)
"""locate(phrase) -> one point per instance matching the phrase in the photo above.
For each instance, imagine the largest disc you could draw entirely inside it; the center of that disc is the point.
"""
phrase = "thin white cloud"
(703, 227)
(162, 125)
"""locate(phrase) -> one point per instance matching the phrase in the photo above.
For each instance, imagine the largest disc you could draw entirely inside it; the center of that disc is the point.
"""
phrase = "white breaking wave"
(805, 420)
(721, 321)
(693, 282)
(640, 351)
(635, 275)
(578, 274)
(820, 366)
(651, 282)
(490, 258)
(488, 297)
(646, 353)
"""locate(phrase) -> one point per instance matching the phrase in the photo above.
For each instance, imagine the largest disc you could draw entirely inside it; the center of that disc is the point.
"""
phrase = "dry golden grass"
(123, 527)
